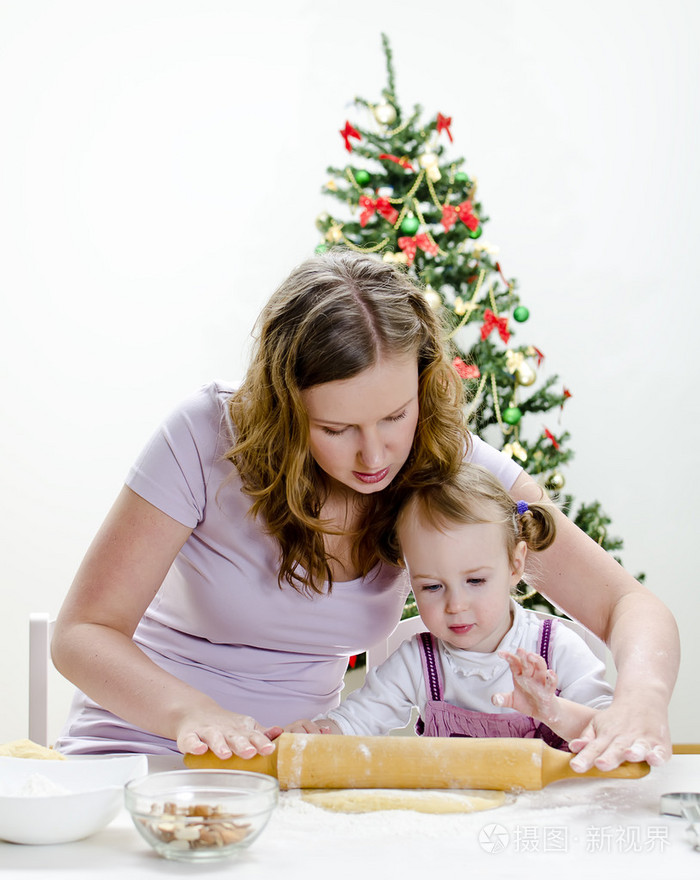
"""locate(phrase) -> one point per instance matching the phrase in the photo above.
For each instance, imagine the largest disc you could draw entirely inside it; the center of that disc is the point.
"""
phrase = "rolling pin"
(312, 760)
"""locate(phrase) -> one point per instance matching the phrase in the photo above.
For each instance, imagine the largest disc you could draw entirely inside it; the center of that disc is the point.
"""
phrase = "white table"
(575, 829)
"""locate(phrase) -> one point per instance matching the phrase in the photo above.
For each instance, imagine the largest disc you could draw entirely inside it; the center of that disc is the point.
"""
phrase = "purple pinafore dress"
(444, 719)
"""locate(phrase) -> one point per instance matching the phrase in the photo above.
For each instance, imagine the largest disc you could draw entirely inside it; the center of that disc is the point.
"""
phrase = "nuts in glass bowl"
(201, 814)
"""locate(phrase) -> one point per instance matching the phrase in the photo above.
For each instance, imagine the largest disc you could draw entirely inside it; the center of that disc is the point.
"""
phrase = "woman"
(251, 550)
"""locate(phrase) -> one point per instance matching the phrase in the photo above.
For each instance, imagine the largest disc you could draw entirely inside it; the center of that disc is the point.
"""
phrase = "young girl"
(487, 667)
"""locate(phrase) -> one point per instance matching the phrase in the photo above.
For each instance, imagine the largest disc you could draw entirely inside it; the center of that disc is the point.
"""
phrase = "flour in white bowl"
(36, 785)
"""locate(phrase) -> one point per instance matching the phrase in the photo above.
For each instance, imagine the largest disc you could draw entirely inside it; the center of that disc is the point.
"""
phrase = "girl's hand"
(306, 726)
(623, 732)
(225, 734)
(534, 686)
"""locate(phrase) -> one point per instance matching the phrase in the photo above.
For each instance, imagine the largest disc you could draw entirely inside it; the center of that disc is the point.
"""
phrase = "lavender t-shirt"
(220, 622)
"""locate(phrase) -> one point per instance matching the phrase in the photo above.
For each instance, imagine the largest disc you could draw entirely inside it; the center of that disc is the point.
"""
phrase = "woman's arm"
(586, 582)
(93, 647)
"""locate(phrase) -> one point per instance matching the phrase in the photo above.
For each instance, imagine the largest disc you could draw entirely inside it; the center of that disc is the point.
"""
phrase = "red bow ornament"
(443, 124)
(567, 395)
(347, 133)
(466, 371)
(548, 434)
(381, 206)
(402, 161)
(493, 322)
(409, 244)
(465, 214)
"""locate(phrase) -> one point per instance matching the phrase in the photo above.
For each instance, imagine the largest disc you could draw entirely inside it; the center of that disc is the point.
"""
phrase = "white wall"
(160, 169)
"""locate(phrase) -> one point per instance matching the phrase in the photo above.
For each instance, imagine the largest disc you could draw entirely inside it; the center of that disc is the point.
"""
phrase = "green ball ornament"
(461, 177)
(476, 233)
(321, 248)
(409, 225)
(521, 314)
(362, 177)
(512, 415)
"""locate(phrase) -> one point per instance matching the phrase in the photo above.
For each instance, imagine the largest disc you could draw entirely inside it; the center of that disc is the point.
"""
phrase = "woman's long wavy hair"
(336, 315)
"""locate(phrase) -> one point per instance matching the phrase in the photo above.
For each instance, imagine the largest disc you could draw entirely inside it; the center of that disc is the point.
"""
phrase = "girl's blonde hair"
(474, 495)
(336, 315)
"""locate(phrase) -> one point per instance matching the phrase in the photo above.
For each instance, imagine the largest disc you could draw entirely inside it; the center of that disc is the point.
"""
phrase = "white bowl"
(96, 786)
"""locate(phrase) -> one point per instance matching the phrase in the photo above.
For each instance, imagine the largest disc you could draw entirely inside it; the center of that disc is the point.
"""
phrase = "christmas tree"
(406, 198)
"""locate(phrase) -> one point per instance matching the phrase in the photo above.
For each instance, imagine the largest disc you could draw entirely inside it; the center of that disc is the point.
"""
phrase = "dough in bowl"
(25, 748)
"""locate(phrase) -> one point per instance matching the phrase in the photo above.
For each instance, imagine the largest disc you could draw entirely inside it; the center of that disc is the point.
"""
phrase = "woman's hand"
(323, 725)
(625, 731)
(225, 734)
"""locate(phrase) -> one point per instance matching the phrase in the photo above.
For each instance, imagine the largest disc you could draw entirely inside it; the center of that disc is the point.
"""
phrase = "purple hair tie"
(523, 507)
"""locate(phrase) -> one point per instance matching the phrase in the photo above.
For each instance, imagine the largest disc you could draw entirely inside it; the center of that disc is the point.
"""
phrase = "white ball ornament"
(385, 114)
(433, 298)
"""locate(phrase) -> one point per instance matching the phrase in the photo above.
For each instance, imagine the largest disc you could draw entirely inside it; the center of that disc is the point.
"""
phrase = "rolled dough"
(361, 800)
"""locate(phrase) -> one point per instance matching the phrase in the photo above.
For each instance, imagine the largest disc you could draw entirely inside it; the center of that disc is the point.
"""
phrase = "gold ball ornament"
(429, 161)
(525, 375)
(384, 113)
(433, 297)
(335, 234)
(555, 481)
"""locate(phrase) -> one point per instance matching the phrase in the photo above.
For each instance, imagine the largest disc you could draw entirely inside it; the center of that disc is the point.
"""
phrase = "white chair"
(40, 629)
(597, 646)
(405, 629)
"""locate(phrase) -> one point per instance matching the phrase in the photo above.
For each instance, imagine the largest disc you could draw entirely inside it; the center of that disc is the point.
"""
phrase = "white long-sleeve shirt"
(391, 690)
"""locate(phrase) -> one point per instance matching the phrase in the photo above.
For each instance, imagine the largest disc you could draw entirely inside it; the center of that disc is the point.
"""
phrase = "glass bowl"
(199, 815)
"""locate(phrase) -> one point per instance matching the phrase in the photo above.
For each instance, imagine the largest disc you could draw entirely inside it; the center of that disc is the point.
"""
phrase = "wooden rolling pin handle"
(266, 764)
(556, 765)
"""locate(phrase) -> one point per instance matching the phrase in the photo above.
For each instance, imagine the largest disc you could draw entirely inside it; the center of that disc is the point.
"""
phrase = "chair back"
(405, 629)
(40, 629)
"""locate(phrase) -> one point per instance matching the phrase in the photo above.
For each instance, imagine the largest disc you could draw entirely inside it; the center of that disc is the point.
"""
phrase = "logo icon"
(494, 838)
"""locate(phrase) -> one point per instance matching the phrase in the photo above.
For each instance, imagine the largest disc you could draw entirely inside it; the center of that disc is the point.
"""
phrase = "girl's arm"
(535, 694)
(92, 644)
(586, 582)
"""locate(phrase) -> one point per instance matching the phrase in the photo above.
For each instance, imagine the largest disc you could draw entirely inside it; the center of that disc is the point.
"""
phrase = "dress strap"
(545, 639)
(431, 666)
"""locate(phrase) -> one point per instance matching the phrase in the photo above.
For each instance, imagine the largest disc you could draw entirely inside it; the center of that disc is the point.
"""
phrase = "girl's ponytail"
(536, 524)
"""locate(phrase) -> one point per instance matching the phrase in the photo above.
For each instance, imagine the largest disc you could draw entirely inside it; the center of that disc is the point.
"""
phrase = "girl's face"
(462, 580)
(361, 429)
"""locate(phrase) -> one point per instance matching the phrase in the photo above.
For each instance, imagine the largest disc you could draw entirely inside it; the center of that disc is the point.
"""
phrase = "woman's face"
(361, 429)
